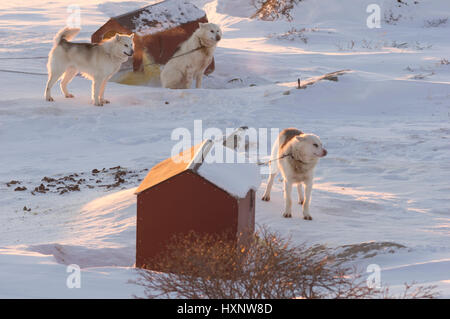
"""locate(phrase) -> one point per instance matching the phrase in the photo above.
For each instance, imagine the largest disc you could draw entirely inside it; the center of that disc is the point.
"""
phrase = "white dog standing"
(97, 62)
(296, 155)
(190, 61)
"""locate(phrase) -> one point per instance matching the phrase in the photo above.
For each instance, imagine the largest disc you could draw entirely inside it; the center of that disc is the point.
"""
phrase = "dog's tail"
(65, 34)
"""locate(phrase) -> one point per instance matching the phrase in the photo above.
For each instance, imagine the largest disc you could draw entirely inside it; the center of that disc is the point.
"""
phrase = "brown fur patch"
(66, 45)
(288, 134)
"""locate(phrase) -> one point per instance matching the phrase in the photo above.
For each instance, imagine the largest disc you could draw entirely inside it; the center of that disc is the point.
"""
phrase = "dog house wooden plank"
(185, 203)
(167, 169)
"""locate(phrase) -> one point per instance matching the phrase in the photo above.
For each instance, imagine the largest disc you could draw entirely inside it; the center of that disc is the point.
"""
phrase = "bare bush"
(346, 46)
(261, 266)
(398, 45)
(391, 18)
(434, 23)
(271, 10)
(293, 34)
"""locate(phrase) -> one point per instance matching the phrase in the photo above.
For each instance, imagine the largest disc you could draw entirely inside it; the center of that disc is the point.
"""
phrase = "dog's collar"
(202, 46)
(285, 155)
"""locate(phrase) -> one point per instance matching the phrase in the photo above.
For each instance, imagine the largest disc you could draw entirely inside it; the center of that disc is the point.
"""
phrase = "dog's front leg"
(102, 92)
(287, 198)
(188, 80)
(96, 86)
(308, 191)
(198, 80)
(301, 196)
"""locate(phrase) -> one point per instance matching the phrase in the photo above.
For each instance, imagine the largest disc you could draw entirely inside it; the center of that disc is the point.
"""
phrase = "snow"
(166, 15)
(33, 275)
(230, 171)
(386, 127)
(113, 9)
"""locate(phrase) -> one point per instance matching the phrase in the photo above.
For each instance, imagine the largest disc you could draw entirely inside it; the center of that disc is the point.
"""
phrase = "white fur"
(297, 170)
(96, 62)
(188, 63)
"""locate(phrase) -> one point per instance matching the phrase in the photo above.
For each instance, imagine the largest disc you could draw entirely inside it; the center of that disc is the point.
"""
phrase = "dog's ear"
(300, 137)
(132, 36)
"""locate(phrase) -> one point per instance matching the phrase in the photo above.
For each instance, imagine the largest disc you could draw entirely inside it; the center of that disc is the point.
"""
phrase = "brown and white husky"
(97, 62)
(295, 154)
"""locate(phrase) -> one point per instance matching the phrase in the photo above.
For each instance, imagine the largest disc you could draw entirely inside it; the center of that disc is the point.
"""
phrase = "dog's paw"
(70, 96)
(97, 103)
(266, 198)
(307, 217)
(287, 215)
(301, 202)
(105, 101)
(50, 99)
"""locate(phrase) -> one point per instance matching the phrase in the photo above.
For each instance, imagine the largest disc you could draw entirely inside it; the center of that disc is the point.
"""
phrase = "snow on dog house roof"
(164, 15)
(235, 178)
(159, 28)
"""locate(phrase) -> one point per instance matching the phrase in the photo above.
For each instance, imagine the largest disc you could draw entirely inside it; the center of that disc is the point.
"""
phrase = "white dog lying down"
(190, 61)
(97, 62)
(296, 155)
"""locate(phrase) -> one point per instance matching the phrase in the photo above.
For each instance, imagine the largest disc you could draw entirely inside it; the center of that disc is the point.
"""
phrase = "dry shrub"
(264, 265)
(271, 10)
(437, 22)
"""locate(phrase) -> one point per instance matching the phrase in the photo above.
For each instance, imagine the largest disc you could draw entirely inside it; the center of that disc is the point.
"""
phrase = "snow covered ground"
(386, 127)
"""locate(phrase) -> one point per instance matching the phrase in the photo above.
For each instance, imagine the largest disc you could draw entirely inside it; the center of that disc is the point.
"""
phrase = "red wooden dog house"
(196, 194)
(159, 29)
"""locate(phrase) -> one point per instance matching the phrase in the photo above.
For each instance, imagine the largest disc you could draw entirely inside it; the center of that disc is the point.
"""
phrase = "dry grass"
(264, 265)
(293, 34)
(435, 23)
(271, 10)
